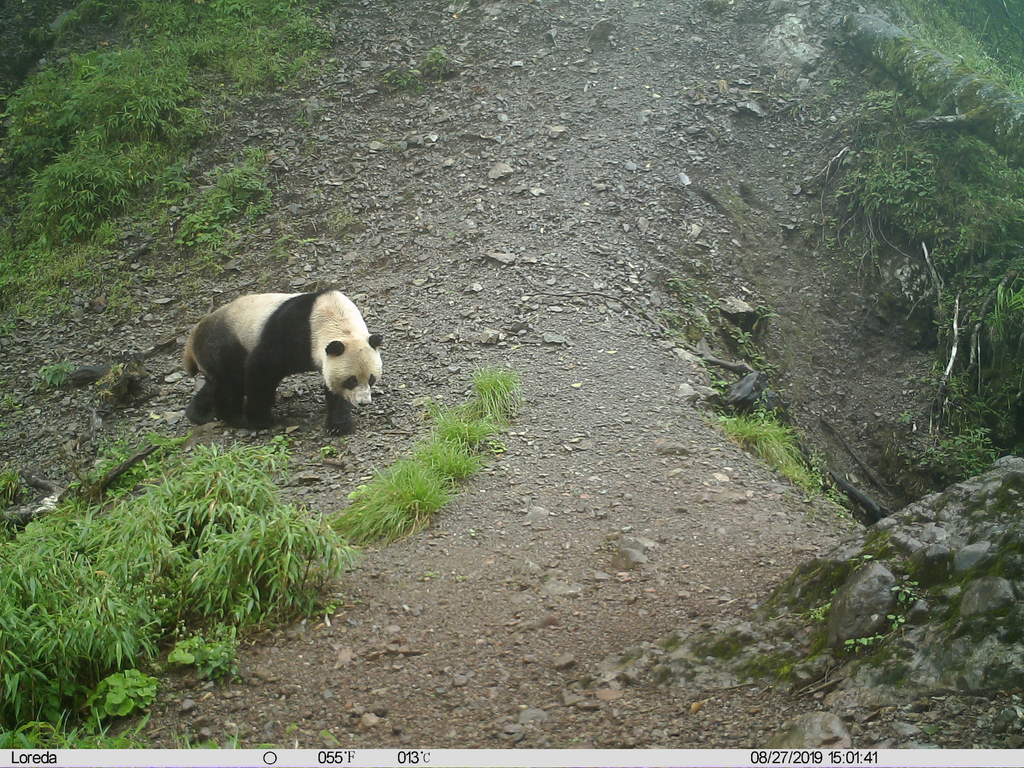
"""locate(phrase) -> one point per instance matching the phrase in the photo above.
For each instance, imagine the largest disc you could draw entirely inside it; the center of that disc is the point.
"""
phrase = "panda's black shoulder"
(289, 323)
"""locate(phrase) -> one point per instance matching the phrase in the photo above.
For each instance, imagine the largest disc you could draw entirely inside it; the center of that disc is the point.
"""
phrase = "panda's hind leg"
(200, 410)
(229, 400)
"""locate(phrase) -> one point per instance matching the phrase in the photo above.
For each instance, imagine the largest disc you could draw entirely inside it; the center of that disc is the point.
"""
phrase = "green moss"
(819, 641)
(878, 544)
(670, 642)
(777, 666)
(723, 647)
(804, 590)
(1009, 565)
(894, 673)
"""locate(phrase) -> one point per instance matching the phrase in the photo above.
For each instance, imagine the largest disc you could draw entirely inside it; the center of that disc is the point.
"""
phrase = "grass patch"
(947, 189)
(41, 735)
(969, 31)
(447, 459)
(955, 194)
(777, 444)
(241, 190)
(91, 590)
(96, 134)
(405, 497)
(498, 395)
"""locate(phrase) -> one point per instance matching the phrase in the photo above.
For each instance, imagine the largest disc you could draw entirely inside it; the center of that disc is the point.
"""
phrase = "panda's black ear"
(376, 340)
(335, 348)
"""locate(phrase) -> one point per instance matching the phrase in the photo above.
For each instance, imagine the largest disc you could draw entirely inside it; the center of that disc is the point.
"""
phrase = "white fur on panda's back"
(255, 309)
(334, 315)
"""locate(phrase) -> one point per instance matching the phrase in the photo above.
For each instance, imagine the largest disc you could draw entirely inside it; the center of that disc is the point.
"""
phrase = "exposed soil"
(482, 630)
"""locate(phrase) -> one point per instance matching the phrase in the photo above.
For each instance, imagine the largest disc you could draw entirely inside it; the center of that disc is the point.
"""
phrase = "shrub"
(87, 591)
(55, 375)
(235, 192)
(120, 694)
(213, 658)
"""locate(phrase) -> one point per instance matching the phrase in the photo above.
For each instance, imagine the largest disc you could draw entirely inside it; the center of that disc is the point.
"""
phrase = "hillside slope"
(582, 179)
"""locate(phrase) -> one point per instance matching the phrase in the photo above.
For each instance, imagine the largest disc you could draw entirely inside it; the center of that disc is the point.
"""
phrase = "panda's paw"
(197, 416)
(339, 427)
(200, 410)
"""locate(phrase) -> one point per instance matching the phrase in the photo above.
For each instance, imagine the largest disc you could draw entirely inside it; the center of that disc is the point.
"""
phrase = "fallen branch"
(729, 365)
(821, 685)
(21, 516)
(864, 467)
(41, 483)
(97, 489)
(991, 111)
(90, 374)
(704, 352)
(872, 509)
(945, 122)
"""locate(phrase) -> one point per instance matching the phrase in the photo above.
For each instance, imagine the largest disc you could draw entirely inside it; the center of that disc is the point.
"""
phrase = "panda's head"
(352, 366)
(342, 347)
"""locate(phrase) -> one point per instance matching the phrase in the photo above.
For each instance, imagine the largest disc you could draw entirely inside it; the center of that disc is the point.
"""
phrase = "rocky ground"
(585, 178)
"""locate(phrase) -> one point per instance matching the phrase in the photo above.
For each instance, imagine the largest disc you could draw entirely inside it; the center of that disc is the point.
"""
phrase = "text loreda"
(33, 758)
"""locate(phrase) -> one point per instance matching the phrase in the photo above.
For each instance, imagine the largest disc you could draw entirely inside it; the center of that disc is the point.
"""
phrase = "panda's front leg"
(260, 391)
(339, 414)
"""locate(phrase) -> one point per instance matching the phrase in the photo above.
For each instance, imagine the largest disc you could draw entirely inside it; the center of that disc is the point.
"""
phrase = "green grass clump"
(497, 394)
(10, 484)
(399, 500)
(42, 735)
(448, 460)
(89, 590)
(236, 192)
(405, 497)
(775, 443)
(98, 134)
(464, 428)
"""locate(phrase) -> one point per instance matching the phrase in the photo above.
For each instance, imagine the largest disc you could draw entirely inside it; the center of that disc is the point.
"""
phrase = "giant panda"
(246, 348)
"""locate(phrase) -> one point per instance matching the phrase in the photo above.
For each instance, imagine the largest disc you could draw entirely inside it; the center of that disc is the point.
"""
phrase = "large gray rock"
(974, 529)
(788, 46)
(933, 564)
(972, 556)
(948, 568)
(860, 606)
(986, 596)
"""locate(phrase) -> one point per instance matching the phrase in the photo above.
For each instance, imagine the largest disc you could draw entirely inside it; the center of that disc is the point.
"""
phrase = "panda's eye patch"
(350, 383)
(373, 379)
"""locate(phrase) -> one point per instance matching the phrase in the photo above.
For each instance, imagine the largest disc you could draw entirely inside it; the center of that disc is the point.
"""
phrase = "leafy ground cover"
(94, 590)
(106, 129)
